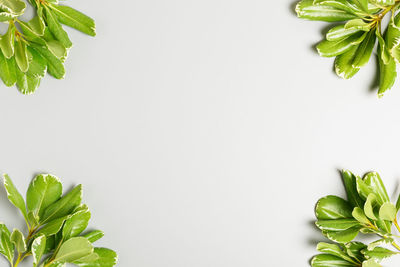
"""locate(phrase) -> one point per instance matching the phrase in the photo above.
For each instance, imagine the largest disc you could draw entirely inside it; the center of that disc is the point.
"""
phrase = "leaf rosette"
(353, 41)
(366, 210)
(29, 50)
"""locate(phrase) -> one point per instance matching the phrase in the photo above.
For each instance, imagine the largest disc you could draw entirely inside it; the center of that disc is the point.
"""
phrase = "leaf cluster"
(352, 42)
(367, 210)
(29, 50)
(55, 227)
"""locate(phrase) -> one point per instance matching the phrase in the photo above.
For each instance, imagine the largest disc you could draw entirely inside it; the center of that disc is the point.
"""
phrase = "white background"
(203, 131)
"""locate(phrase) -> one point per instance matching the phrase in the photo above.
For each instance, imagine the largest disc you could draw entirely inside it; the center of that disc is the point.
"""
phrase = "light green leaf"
(73, 249)
(75, 19)
(373, 180)
(344, 64)
(378, 253)
(53, 227)
(343, 236)
(305, 9)
(26, 84)
(336, 225)
(18, 239)
(7, 42)
(334, 250)
(76, 224)
(93, 236)
(7, 70)
(63, 206)
(353, 249)
(6, 246)
(350, 184)
(13, 7)
(359, 215)
(384, 2)
(326, 260)
(55, 66)
(37, 67)
(14, 196)
(334, 48)
(57, 49)
(43, 191)
(370, 205)
(340, 32)
(333, 207)
(344, 5)
(387, 212)
(364, 50)
(21, 55)
(387, 75)
(38, 247)
(380, 242)
(106, 258)
(56, 29)
(358, 24)
(37, 25)
(370, 263)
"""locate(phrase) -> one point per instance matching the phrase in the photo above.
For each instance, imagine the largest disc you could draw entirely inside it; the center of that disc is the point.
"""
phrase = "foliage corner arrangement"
(30, 49)
(367, 210)
(353, 40)
(55, 228)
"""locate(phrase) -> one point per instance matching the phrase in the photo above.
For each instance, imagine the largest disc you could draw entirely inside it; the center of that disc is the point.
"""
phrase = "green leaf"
(53, 227)
(57, 49)
(370, 263)
(344, 64)
(18, 239)
(305, 9)
(38, 66)
(26, 84)
(76, 224)
(364, 50)
(373, 180)
(7, 42)
(326, 260)
(344, 5)
(6, 246)
(333, 207)
(13, 7)
(7, 70)
(359, 215)
(350, 184)
(93, 236)
(73, 249)
(43, 191)
(336, 225)
(55, 66)
(14, 196)
(75, 19)
(21, 55)
(378, 253)
(340, 32)
(387, 212)
(107, 258)
(334, 250)
(383, 51)
(56, 29)
(384, 2)
(37, 25)
(380, 242)
(343, 236)
(334, 48)
(353, 249)
(358, 24)
(370, 205)
(38, 247)
(387, 75)
(63, 206)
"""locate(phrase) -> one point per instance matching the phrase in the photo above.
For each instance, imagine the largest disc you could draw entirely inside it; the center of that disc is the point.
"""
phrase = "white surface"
(203, 131)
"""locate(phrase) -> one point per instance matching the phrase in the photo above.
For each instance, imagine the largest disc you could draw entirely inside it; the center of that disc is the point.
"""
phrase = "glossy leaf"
(6, 246)
(93, 236)
(38, 248)
(18, 239)
(14, 196)
(74, 249)
(307, 10)
(334, 48)
(106, 258)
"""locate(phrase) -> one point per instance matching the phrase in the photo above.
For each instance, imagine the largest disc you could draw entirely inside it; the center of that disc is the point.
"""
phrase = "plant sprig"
(353, 42)
(367, 210)
(29, 50)
(55, 227)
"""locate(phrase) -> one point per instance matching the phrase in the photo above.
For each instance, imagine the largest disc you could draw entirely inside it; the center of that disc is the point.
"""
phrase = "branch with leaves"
(368, 211)
(29, 50)
(55, 227)
(353, 42)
